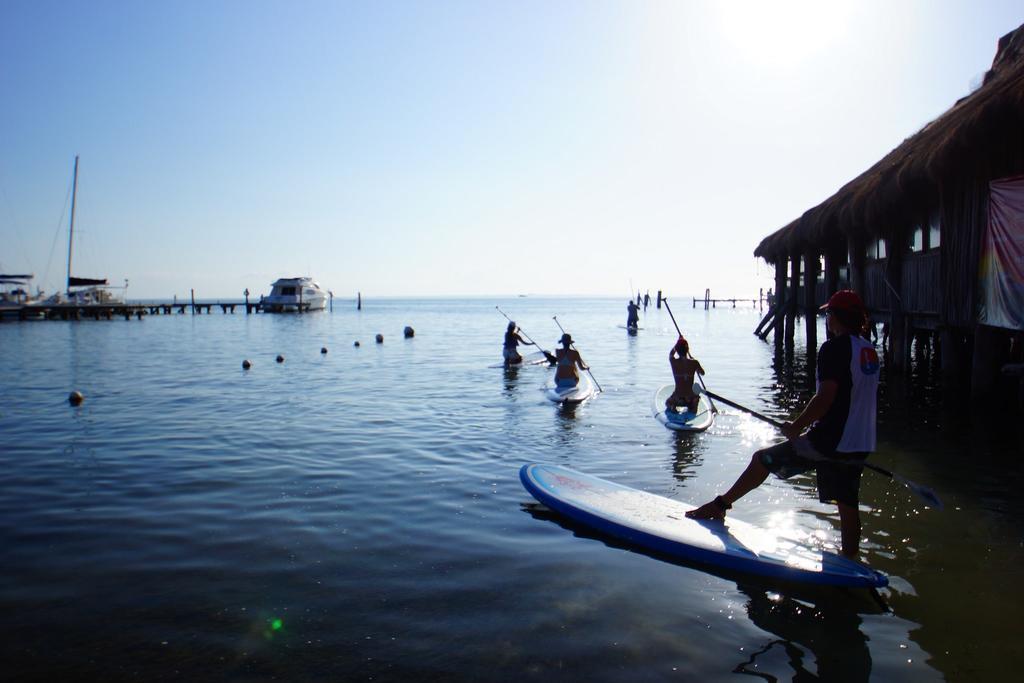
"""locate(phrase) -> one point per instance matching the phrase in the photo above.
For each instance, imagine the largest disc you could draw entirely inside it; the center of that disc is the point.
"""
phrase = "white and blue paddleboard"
(682, 419)
(660, 524)
(533, 358)
(577, 393)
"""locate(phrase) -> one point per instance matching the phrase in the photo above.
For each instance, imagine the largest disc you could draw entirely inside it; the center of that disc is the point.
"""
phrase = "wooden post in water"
(780, 300)
(247, 309)
(359, 301)
(811, 304)
(893, 282)
(856, 258)
(794, 286)
(659, 299)
(193, 301)
(831, 279)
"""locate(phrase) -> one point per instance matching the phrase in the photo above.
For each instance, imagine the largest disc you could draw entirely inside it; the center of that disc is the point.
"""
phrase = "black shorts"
(838, 474)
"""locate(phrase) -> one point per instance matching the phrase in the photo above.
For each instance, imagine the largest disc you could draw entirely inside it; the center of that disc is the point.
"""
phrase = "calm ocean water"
(358, 515)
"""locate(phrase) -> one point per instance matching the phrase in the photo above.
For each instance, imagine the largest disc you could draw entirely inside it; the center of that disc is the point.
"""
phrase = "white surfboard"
(683, 419)
(576, 393)
(660, 524)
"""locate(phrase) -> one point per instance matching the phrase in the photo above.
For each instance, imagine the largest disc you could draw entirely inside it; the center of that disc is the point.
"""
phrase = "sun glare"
(782, 31)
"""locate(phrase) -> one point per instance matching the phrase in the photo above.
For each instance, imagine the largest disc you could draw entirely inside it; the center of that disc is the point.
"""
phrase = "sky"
(454, 147)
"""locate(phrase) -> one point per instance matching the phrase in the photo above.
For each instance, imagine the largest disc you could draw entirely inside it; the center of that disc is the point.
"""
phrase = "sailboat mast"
(71, 227)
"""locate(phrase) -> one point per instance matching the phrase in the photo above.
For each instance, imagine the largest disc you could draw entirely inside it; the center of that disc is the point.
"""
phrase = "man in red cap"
(841, 416)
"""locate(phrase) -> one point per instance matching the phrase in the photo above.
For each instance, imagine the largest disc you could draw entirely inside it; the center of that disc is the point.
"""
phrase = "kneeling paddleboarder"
(512, 339)
(683, 370)
(567, 359)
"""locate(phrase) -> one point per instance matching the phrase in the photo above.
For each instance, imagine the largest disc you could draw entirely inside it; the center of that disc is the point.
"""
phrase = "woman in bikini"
(567, 360)
(512, 340)
(683, 369)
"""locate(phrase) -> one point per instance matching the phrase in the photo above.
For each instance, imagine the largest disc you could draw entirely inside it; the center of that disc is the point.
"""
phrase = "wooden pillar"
(810, 302)
(857, 246)
(780, 298)
(794, 289)
(951, 355)
(991, 351)
(832, 260)
(897, 317)
(831, 277)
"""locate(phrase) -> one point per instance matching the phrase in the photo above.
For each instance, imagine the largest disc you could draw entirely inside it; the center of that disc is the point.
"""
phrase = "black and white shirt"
(849, 425)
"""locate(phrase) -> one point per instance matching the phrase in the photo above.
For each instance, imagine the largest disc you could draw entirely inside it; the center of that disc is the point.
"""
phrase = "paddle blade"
(923, 492)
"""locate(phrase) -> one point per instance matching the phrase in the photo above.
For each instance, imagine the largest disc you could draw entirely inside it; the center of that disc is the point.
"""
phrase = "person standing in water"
(567, 361)
(512, 339)
(683, 370)
(841, 416)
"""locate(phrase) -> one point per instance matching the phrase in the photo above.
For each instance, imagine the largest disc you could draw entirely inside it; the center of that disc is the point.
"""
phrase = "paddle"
(923, 492)
(714, 408)
(577, 350)
(551, 358)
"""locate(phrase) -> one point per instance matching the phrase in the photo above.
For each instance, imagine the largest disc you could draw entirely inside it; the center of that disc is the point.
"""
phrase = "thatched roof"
(981, 136)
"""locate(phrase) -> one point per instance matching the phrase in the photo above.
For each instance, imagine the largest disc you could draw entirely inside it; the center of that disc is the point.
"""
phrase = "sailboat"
(82, 291)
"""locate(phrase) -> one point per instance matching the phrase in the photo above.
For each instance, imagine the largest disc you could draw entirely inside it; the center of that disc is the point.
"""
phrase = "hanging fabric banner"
(1002, 256)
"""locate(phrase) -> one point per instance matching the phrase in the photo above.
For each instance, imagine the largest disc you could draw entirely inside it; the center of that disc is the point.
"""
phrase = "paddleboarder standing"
(632, 314)
(841, 416)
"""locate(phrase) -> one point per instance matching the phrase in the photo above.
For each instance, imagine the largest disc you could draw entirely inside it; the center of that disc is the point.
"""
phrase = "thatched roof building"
(907, 232)
(981, 136)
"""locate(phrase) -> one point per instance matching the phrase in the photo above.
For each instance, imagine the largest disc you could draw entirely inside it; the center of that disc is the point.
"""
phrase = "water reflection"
(689, 447)
(826, 624)
(817, 628)
(511, 375)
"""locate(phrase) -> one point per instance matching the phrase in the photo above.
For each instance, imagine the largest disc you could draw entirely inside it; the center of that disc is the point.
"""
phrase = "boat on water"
(84, 291)
(295, 294)
(15, 294)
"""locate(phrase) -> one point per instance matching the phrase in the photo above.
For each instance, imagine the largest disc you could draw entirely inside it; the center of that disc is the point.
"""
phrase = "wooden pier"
(712, 303)
(110, 311)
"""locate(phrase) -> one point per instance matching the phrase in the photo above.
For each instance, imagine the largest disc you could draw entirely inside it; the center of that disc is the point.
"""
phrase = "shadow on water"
(824, 621)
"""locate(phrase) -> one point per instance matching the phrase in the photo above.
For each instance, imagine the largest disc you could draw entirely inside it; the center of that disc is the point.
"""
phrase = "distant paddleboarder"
(632, 315)
(567, 361)
(841, 416)
(683, 370)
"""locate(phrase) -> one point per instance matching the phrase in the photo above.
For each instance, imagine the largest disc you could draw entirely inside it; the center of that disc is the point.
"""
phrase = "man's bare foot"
(716, 509)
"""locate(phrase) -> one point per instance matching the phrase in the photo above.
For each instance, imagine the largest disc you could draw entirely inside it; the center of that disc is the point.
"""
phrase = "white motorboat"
(14, 294)
(292, 294)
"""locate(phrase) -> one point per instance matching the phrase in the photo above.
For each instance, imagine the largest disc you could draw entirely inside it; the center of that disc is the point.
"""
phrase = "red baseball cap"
(844, 300)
